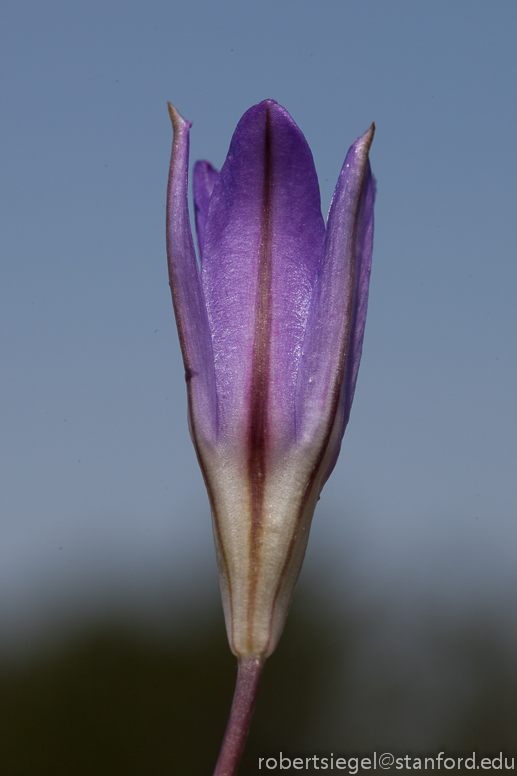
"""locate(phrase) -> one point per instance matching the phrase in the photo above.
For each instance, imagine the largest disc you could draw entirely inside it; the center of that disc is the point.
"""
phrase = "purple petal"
(187, 293)
(364, 256)
(332, 348)
(262, 251)
(205, 177)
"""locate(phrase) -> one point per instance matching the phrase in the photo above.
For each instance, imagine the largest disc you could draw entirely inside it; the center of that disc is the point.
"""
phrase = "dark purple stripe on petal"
(260, 383)
(262, 250)
(232, 255)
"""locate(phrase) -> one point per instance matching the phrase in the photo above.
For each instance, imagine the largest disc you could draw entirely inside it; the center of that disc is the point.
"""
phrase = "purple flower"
(271, 324)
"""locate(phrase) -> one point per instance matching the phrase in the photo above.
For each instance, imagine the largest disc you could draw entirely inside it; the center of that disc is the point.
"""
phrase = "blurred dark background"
(120, 699)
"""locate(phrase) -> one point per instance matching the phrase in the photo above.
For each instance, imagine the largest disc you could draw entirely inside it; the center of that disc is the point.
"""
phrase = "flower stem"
(248, 679)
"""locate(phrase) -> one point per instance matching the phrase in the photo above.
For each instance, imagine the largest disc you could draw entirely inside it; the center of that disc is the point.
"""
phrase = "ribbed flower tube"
(271, 321)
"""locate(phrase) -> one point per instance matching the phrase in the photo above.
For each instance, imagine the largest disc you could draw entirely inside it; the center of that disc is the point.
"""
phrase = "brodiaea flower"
(271, 326)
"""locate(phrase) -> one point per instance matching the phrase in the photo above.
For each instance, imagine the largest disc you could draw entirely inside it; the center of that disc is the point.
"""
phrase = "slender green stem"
(248, 679)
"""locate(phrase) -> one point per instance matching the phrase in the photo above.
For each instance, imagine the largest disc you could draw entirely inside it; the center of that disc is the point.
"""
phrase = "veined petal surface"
(335, 328)
(204, 179)
(263, 246)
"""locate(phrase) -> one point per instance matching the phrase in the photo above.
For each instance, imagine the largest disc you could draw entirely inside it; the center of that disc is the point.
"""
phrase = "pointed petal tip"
(178, 122)
(364, 142)
(360, 148)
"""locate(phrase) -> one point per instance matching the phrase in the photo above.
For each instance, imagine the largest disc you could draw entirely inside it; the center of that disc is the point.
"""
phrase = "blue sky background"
(102, 503)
